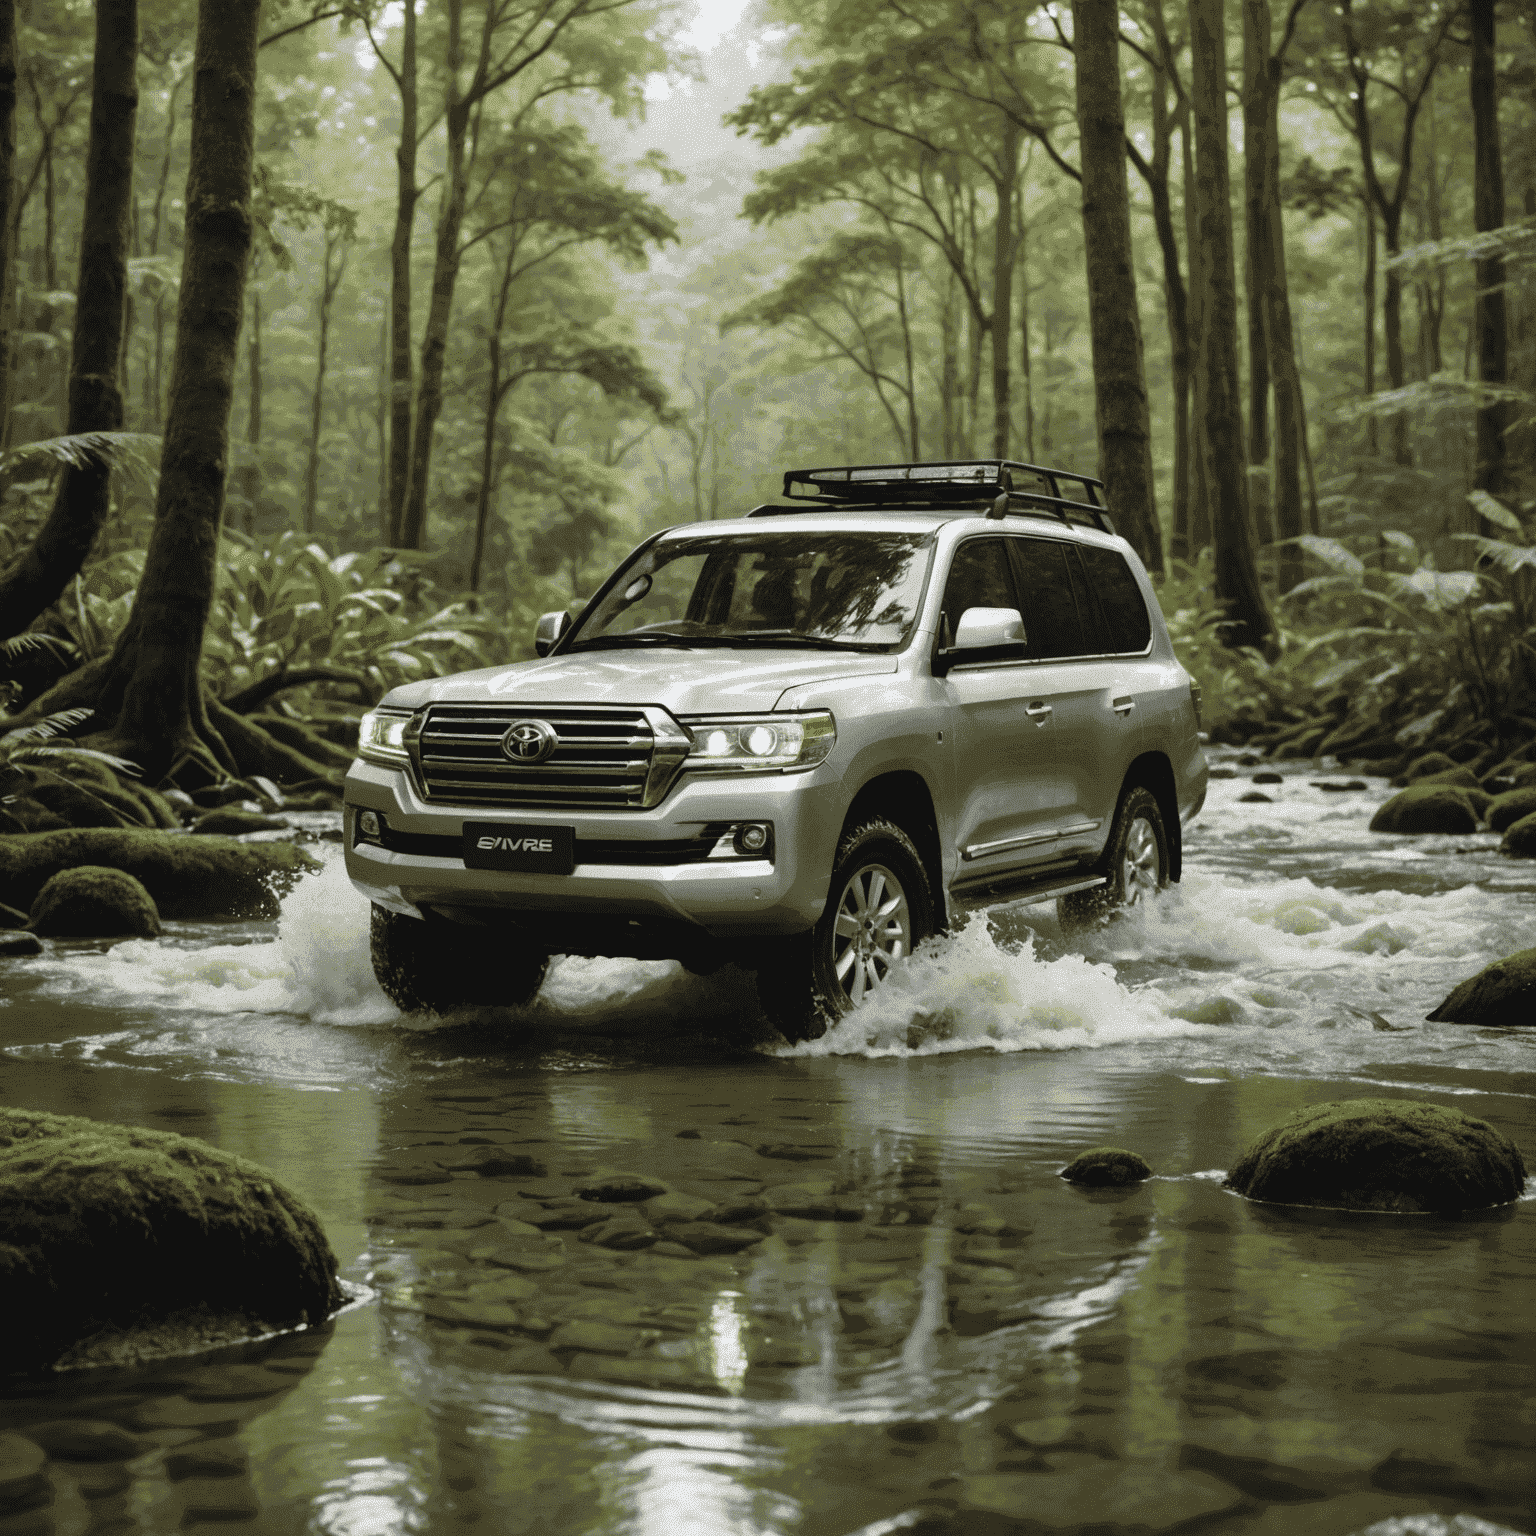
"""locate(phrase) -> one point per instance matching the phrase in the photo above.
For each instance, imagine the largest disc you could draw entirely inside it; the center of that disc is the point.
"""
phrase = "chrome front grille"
(605, 759)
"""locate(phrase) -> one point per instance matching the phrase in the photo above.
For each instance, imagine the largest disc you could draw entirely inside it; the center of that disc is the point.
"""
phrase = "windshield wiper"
(810, 642)
(645, 637)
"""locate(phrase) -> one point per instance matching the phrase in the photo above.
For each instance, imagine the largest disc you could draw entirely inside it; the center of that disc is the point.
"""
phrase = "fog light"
(368, 824)
(752, 837)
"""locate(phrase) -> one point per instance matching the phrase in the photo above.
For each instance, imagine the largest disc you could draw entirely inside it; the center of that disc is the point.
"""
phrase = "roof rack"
(1009, 485)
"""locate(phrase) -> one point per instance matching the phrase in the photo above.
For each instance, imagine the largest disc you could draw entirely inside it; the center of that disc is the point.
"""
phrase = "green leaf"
(1491, 510)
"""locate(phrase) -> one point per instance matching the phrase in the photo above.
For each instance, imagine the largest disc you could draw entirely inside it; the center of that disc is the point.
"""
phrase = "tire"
(441, 966)
(879, 909)
(1135, 864)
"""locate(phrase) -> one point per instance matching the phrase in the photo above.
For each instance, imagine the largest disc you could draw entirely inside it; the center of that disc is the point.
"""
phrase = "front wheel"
(879, 909)
(441, 966)
(1135, 864)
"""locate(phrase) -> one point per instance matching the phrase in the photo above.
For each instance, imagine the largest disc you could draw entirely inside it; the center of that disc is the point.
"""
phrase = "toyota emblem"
(529, 742)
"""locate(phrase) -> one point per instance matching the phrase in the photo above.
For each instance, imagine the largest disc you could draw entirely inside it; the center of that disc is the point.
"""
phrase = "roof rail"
(1008, 484)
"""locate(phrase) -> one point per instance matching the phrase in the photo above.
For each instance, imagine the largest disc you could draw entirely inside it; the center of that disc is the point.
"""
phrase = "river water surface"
(921, 1328)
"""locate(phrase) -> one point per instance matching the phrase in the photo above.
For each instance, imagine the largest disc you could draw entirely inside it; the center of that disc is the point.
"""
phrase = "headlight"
(760, 742)
(381, 737)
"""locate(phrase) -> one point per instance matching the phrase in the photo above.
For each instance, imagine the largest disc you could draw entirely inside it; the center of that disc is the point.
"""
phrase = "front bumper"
(723, 899)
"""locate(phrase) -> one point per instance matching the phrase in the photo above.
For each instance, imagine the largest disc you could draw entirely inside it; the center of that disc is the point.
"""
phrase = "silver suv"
(800, 741)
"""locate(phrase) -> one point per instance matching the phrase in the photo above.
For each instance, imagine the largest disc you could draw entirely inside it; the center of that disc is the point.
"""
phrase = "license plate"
(531, 850)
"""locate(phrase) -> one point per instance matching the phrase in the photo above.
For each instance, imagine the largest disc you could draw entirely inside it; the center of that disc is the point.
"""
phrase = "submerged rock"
(94, 902)
(20, 944)
(1381, 1155)
(185, 877)
(1107, 1166)
(1502, 995)
(109, 1229)
(1431, 808)
(1520, 838)
(232, 821)
(1505, 810)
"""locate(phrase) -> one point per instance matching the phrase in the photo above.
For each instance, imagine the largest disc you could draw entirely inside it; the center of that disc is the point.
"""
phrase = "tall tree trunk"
(333, 269)
(1221, 420)
(1199, 489)
(1368, 295)
(248, 476)
(152, 690)
(95, 400)
(1488, 214)
(400, 366)
(1119, 378)
(1392, 328)
(1257, 253)
(7, 204)
(1006, 186)
(1026, 345)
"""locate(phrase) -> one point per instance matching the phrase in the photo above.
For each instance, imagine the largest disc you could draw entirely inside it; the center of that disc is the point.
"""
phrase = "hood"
(684, 682)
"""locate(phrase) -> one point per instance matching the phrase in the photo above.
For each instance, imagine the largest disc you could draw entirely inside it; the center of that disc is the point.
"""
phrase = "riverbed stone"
(85, 1440)
(1107, 1166)
(23, 1480)
(1520, 838)
(596, 1338)
(1501, 995)
(1135, 1501)
(494, 1162)
(1427, 763)
(1431, 808)
(1459, 776)
(1381, 1155)
(676, 1206)
(710, 1237)
(232, 821)
(20, 945)
(567, 1216)
(185, 877)
(621, 1189)
(1505, 810)
(625, 1233)
(94, 902)
(107, 1229)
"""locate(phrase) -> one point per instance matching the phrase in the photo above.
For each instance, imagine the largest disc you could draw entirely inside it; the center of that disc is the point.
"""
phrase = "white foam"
(969, 992)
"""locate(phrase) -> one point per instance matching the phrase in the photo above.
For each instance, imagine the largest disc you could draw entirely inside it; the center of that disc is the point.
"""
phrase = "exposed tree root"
(265, 688)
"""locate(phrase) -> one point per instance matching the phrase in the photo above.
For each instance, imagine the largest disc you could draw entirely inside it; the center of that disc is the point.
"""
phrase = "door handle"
(1123, 705)
(1039, 713)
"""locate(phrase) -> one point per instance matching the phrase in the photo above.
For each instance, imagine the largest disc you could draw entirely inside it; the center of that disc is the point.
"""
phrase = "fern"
(60, 724)
(37, 754)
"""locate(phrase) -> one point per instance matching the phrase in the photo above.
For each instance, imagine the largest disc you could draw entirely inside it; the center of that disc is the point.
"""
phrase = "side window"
(1124, 614)
(979, 578)
(1045, 597)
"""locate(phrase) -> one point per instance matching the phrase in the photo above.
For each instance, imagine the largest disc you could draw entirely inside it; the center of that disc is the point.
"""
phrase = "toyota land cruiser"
(801, 741)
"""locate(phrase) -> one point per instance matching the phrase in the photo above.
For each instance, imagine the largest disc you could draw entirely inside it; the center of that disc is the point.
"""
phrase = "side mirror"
(550, 628)
(989, 626)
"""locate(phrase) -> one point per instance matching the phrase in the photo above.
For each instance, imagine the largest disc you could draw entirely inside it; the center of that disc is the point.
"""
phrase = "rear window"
(1125, 624)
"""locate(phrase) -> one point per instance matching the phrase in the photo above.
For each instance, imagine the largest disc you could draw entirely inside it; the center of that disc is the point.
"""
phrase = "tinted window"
(979, 578)
(1122, 612)
(1051, 620)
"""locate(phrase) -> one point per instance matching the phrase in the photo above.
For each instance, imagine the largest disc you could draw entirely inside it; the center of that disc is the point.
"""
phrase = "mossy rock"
(1520, 838)
(1107, 1166)
(1461, 776)
(1505, 810)
(231, 821)
(1381, 1155)
(108, 1228)
(185, 876)
(1502, 995)
(93, 902)
(1426, 763)
(1431, 808)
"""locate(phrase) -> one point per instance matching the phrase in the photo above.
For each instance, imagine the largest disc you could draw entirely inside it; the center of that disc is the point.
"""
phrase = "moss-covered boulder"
(18, 945)
(185, 876)
(1461, 776)
(1425, 764)
(1110, 1166)
(1506, 809)
(105, 1229)
(93, 902)
(1381, 1155)
(1520, 838)
(1431, 808)
(1502, 995)
(232, 821)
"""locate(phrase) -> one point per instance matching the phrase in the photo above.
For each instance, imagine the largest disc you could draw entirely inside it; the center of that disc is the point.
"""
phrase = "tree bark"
(1488, 214)
(1199, 534)
(1006, 187)
(1120, 383)
(7, 203)
(407, 193)
(1221, 420)
(333, 269)
(1368, 295)
(152, 692)
(1257, 252)
(95, 399)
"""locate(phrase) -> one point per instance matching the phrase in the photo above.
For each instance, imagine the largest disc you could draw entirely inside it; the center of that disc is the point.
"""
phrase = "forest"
(340, 340)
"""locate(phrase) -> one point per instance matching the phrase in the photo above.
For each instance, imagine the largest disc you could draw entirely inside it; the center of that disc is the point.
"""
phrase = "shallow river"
(926, 1329)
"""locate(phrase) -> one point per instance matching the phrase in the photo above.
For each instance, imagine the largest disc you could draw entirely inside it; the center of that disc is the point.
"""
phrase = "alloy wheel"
(872, 931)
(1141, 869)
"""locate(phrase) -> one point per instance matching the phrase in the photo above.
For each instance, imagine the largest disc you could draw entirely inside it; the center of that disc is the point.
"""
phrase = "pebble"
(512, 1215)
(649, 1372)
(671, 1250)
(22, 1482)
(568, 1216)
(1256, 797)
(709, 1237)
(492, 1162)
(84, 1440)
(676, 1206)
(103, 1479)
(736, 1210)
(414, 1176)
(205, 1461)
(20, 944)
(235, 1384)
(530, 1360)
(794, 1152)
(811, 1204)
(1222, 773)
(1269, 778)
(1144, 1499)
(620, 1189)
(1337, 788)
(597, 1338)
(530, 1260)
(502, 1288)
(625, 1233)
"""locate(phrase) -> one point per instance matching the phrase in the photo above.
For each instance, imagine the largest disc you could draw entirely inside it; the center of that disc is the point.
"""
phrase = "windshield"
(855, 591)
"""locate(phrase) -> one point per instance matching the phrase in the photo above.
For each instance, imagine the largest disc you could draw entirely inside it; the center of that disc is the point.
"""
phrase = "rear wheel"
(879, 909)
(441, 966)
(1135, 863)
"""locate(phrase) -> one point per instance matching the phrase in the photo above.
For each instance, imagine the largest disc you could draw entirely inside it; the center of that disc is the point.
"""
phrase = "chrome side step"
(1026, 892)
